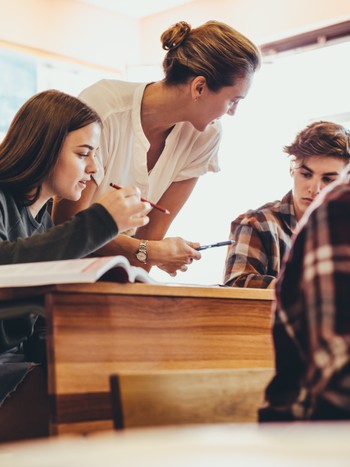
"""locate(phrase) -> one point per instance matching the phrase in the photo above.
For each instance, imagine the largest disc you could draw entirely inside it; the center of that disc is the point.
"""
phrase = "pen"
(156, 206)
(213, 245)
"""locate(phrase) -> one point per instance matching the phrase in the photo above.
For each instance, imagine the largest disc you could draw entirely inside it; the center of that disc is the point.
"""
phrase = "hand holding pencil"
(126, 207)
(156, 206)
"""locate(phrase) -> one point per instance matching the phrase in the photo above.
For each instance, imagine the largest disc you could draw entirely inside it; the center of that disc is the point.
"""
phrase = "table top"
(175, 290)
(285, 444)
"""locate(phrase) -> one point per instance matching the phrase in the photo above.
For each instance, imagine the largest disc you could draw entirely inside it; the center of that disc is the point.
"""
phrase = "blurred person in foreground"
(311, 329)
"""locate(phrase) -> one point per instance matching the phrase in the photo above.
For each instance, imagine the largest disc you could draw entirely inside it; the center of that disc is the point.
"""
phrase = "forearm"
(247, 270)
(123, 245)
(255, 281)
(169, 254)
(78, 237)
(248, 261)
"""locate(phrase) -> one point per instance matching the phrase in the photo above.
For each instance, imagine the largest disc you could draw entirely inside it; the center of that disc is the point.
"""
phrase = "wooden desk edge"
(168, 290)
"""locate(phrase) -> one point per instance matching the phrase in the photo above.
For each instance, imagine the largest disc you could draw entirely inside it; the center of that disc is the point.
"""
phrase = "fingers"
(176, 254)
(126, 207)
(172, 268)
(193, 245)
(135, 223)
(138, 213)
(132, 198)
(137, 208)
(194, 253)
(131, 190)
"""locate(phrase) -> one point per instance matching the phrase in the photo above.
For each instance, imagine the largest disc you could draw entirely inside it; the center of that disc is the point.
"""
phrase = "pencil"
(156, 206)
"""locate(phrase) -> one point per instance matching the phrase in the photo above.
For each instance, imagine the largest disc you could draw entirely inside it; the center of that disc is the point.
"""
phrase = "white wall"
(260, 20)
(101, 37)
(72, 29)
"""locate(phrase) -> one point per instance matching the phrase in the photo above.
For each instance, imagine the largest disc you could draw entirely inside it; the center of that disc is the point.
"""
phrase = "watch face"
(141, 256)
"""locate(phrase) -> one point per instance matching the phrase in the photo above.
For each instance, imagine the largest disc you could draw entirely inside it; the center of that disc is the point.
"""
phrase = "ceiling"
(137, 8)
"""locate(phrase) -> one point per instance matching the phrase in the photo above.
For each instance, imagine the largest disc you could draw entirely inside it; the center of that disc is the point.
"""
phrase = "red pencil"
(118, 187)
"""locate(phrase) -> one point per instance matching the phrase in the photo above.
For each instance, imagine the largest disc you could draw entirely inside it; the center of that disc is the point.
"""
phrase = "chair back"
(187, 397)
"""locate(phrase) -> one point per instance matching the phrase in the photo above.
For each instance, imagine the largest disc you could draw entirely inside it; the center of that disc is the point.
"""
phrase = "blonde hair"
(214, 50)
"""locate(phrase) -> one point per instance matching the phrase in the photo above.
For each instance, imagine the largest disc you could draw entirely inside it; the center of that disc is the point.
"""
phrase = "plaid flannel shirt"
(262, 238)
(311, 329)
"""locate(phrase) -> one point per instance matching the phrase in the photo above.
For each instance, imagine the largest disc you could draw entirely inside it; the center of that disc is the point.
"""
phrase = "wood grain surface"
(99, 329)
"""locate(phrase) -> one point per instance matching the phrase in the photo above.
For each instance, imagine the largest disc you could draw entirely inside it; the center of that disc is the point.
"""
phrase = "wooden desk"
(288, 445)
(98, 329)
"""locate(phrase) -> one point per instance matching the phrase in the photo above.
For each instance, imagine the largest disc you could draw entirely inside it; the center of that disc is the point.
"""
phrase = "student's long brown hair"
(33, 142)
(214, 50)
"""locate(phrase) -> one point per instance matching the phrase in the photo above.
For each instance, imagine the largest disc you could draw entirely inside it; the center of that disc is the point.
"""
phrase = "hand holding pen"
(205, 247)
(126, 208)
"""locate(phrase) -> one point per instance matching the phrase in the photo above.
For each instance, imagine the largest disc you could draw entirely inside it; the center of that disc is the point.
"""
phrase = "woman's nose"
(91, 167)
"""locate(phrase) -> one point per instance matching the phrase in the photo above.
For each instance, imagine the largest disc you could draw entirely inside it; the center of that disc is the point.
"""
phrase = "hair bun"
(175, 35)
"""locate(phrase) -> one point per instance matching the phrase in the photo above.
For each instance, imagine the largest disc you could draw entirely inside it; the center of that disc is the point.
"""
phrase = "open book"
(106, 268)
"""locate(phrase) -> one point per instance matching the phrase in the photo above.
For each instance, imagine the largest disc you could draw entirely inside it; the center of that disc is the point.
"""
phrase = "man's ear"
(198, 87)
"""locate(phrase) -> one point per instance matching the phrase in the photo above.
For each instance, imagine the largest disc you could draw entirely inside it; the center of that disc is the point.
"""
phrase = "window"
(24, 74)
(291, 90)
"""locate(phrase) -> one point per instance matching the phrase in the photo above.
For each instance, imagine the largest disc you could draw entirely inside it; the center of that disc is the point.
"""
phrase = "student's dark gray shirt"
(78, 237)
(24, 239)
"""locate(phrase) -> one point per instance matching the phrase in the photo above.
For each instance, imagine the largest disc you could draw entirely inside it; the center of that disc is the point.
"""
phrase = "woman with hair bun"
(161, 136)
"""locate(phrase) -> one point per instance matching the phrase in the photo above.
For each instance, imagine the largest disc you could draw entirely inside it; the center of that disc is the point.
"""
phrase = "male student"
(262, 236)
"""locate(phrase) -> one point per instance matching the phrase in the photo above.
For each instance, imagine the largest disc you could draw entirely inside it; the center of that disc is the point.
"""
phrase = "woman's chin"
(74, 196)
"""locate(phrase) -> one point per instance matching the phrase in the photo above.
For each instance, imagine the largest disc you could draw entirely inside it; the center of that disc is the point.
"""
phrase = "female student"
(49, 150)
(163, 135)
(318, 154)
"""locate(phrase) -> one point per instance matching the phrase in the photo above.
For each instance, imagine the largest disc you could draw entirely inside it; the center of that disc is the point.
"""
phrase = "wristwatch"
(141, 252)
